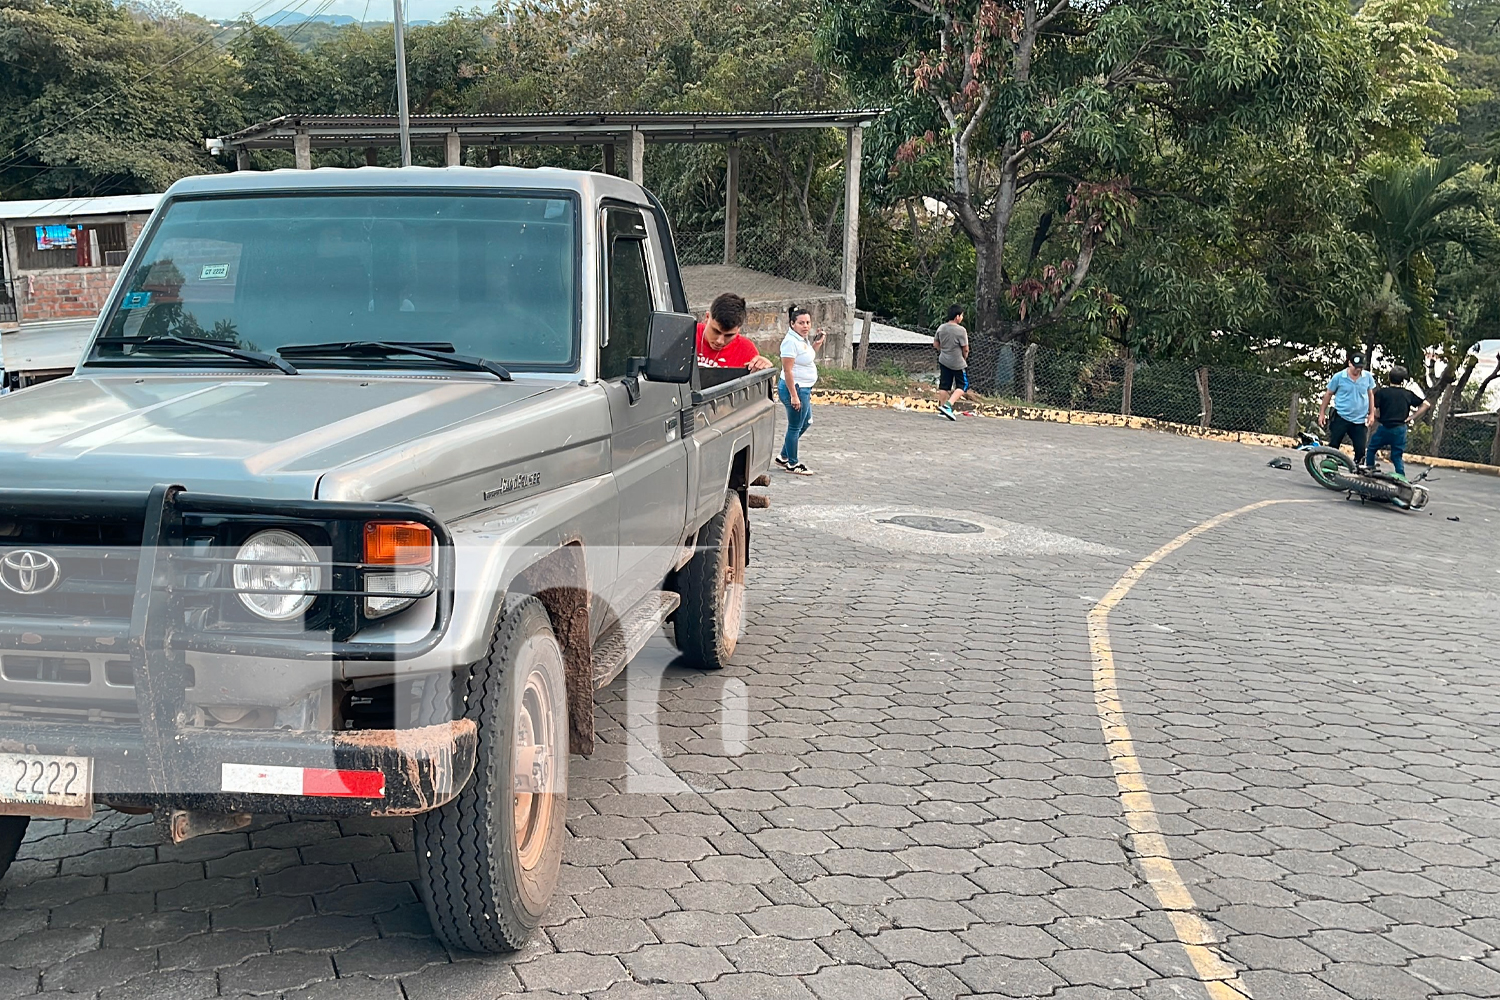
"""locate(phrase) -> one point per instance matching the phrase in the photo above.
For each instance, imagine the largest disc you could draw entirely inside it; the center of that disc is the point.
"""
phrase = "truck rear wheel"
(12, 832)
(712, 587)
(488, 860)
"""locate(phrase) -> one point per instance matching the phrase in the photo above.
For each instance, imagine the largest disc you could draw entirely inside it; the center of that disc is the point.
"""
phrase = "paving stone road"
(900, 788)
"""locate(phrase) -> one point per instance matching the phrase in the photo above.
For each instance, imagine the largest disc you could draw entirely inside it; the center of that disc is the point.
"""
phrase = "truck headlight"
(402, 551)
(279, 576)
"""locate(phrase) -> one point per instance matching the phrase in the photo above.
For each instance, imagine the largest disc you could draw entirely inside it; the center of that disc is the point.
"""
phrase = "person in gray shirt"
(952, 345)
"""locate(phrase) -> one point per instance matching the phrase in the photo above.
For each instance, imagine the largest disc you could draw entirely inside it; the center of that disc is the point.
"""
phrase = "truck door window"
(627, 327)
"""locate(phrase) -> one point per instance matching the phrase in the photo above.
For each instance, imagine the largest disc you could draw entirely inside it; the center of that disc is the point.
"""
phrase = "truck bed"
(723, 420)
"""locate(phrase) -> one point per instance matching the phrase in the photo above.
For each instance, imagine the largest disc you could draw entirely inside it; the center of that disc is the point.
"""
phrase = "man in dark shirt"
(1393, 406)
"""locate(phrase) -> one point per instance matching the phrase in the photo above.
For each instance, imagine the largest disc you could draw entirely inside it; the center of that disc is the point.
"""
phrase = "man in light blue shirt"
(1352, 392)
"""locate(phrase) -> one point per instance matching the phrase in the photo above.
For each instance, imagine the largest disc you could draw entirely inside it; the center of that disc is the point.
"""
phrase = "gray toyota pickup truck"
(368, 481)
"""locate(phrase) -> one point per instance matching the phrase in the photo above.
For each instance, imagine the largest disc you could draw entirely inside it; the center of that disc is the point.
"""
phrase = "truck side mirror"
(671, 349)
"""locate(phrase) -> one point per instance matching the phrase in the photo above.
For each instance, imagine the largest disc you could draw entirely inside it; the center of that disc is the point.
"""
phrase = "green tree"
(99, 98)
(998, 104)
(1414, 89)
(274, 77)
(1473, 33)
(1416, 214)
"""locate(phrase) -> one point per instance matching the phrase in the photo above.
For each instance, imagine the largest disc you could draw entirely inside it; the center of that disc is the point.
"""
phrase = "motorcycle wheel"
(1324, 464)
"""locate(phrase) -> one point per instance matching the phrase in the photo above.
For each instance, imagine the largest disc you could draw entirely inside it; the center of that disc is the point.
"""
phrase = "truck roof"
(585, 183)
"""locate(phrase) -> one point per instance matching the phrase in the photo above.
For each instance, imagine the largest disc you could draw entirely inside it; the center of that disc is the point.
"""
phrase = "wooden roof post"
(638, 156)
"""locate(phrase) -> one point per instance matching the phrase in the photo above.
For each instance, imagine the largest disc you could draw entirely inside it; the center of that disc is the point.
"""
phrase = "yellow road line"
(1153, 859)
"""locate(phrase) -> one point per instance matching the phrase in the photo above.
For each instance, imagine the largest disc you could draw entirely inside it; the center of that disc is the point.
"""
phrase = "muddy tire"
(12, 832)
(488, 861)
(712, 587)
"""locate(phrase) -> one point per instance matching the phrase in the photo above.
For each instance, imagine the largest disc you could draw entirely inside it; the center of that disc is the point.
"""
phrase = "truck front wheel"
(712, 588)
(488, 860)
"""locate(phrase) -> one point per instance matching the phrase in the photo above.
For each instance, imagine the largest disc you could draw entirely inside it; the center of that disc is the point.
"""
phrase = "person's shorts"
(953, 378)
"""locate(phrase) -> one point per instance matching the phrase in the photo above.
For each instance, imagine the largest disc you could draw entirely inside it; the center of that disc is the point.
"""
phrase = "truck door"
(649, 458)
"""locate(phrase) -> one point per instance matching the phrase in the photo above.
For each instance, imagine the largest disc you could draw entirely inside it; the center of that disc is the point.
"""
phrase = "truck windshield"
(494, 275)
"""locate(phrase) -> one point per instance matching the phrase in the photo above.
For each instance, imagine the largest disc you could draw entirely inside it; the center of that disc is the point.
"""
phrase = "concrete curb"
(851, 397)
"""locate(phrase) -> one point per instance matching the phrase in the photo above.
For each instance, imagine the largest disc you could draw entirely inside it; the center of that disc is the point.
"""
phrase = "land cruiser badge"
(520, 481)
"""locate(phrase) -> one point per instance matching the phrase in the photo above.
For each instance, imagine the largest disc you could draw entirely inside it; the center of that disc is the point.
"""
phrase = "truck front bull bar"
(175, 769)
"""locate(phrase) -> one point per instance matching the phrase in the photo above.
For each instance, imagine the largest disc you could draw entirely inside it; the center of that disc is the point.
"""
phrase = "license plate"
(41, 785)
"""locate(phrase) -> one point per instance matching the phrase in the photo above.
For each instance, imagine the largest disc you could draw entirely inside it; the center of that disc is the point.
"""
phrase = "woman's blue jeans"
(796, 420)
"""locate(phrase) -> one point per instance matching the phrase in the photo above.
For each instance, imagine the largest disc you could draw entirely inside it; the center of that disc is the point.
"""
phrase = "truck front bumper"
(250, 771)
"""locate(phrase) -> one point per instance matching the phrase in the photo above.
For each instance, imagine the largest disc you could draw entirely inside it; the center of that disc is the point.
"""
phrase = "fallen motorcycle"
(1334, 470)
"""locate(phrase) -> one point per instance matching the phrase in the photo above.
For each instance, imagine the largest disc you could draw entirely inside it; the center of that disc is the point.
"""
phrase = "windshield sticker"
(214, 271)
(136, 300)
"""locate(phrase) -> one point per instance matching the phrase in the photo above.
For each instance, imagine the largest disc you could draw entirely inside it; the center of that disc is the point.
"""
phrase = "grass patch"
(897, 383)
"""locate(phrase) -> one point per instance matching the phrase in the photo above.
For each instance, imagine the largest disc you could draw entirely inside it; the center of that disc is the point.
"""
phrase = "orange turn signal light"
(397, 543)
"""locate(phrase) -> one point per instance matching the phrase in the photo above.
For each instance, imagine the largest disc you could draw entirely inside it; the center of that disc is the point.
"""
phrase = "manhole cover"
(942, 525)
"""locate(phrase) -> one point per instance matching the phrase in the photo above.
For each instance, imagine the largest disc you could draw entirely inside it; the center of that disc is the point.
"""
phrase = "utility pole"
(402, 110)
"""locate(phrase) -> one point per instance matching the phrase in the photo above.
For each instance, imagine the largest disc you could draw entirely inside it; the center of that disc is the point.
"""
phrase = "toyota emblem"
(27, 571)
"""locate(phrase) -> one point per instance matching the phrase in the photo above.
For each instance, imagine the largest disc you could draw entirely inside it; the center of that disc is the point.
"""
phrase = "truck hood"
(271, 436)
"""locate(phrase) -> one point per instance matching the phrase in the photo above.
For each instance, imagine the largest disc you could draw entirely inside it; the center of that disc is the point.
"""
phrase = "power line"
(15, 161)
(317, 12)
(17, 157)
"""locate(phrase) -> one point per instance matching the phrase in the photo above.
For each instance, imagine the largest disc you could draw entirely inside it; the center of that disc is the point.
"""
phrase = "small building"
(909, 350)
(59, 258)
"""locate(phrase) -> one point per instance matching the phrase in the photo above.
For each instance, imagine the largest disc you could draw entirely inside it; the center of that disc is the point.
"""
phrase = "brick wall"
(63, 293)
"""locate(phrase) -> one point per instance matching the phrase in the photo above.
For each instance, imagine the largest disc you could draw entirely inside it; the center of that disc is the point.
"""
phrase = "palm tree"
(1412, 211)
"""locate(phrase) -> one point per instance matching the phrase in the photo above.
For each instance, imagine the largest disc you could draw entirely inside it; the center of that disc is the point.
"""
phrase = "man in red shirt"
(720, 343)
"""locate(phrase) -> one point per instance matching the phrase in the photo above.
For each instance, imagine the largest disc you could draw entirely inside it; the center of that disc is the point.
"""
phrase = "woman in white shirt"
(799, 373)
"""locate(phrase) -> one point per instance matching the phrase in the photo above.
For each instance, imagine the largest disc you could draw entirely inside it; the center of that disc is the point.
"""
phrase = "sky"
(371, 10)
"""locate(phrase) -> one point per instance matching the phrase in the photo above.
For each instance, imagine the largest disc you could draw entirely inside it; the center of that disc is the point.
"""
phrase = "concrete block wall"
(765, 324)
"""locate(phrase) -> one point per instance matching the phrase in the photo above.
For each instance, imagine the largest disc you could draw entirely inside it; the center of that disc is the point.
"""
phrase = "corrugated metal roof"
(560, 127)
(885, 333)
(72, 208)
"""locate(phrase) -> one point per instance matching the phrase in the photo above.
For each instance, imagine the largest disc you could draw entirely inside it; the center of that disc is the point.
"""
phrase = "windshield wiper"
(435, 351)
(256, 357)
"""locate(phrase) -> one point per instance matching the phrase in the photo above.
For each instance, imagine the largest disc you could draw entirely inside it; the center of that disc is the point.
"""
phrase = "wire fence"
(1181, 392)
(1177, 391)
(779, 251)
